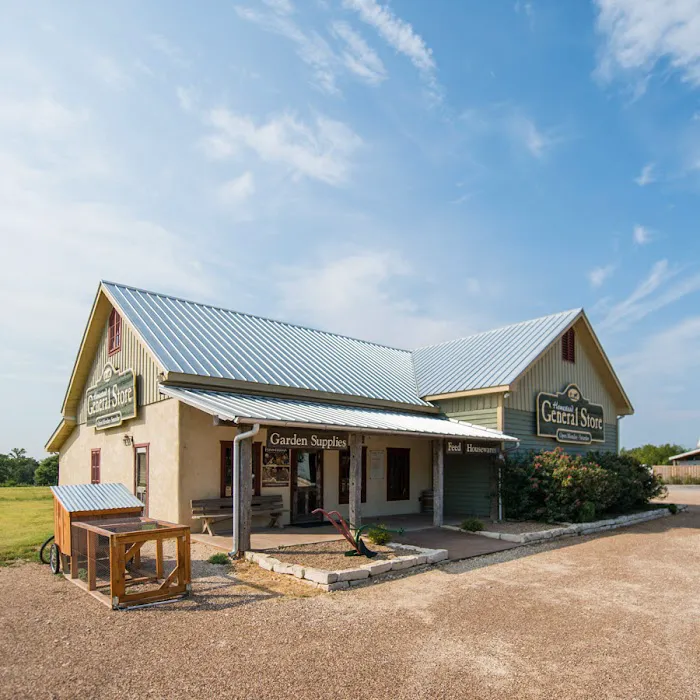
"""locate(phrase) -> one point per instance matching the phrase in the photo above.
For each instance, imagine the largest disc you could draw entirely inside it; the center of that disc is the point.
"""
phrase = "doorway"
(141, 475)
(306, 486)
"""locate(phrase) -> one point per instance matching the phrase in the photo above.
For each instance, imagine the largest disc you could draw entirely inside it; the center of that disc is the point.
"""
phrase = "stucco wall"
(201, 469)
(158, 426)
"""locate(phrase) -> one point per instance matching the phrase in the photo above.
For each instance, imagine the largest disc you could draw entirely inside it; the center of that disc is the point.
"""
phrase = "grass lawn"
(26, 520)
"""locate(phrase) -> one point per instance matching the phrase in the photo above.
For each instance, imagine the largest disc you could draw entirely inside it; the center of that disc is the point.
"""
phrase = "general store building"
(161, 386)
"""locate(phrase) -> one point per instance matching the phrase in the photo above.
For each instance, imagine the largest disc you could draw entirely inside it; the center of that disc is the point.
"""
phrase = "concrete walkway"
(459, 545)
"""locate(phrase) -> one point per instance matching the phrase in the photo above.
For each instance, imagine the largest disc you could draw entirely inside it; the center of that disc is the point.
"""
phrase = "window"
(115, 332)
(568, 346)
(344, 477)
(227, 468)
(141, 467)
(398, 474)
(95, 466)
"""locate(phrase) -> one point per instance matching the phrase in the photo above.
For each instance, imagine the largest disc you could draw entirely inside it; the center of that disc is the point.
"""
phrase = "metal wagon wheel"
(44, 551)
(55, 559)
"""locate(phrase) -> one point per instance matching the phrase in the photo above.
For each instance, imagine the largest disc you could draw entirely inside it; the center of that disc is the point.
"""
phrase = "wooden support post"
(159, 558)
(91, 561)
(355, 500)
(245, 504)
(438, 481)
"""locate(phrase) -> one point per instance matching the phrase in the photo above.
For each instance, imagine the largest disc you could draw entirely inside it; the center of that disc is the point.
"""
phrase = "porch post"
(246, 493)
(355, 500)
(438, 480)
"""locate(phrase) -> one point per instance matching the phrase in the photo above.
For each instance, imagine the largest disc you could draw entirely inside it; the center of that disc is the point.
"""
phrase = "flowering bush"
(556, 486)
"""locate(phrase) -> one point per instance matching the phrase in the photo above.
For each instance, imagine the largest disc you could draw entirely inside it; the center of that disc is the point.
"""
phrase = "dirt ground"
(612, 616)
(330, 556)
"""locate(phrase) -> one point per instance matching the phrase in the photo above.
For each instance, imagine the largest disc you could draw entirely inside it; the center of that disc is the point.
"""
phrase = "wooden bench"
(211, 510)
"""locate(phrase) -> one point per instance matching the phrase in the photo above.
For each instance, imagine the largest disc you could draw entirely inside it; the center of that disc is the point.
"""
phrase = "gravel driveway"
(614, 616)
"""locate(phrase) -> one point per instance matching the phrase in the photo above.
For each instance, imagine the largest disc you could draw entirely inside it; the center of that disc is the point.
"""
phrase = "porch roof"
(268, 410)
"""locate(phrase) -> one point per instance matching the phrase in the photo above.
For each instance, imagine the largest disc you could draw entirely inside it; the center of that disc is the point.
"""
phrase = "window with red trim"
(95, 466)
(115, 332)
(568, 346)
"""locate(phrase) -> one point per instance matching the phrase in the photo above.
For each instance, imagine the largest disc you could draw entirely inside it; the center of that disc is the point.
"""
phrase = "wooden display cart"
(103, 540)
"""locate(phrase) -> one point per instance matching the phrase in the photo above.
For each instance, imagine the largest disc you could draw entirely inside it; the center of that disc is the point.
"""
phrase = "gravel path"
(614, 616)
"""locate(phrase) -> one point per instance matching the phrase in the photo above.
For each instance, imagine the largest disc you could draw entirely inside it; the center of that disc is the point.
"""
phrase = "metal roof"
(683, 455)
(281, 411)
(87, 497)
(489, 359)
(207, 341)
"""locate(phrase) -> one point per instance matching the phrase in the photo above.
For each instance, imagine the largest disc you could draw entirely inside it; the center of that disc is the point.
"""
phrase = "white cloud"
(646, 177)
(186, 98)
(641, 235)
(312, 48)
(525, 132)
(659, 289)
(598, 275)
(359, 295)
(322, 151)
(401, 36)
(44, 116)
(358, 57)
(639, 34)
(109, 72)
(237, 190)
(283, 7)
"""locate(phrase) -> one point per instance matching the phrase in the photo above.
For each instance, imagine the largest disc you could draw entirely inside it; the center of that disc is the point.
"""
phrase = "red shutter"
(114, 342)
(95, 466)
(568, 346)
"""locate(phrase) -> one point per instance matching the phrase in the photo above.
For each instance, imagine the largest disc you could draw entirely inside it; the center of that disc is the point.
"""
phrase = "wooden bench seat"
(211, 510)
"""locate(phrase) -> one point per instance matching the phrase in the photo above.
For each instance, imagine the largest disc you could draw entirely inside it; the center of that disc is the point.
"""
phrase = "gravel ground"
(613, 616)
(330, 556)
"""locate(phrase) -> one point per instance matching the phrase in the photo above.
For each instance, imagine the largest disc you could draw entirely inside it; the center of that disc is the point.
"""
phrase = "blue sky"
(405, 172)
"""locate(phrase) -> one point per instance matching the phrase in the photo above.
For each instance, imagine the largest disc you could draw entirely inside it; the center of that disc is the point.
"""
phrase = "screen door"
(141, 476)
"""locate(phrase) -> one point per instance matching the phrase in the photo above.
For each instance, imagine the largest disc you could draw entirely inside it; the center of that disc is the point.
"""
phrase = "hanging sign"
(467, 447)
(306, 439)
(569, 417)
(112, 399)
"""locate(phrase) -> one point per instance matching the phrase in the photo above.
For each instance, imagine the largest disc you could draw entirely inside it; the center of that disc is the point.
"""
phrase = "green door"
(467, 485)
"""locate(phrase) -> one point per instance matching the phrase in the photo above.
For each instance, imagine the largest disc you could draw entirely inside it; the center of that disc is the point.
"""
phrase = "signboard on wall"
(275, 466)
(569, 417)
(376, 465)
(306, 439)
(112, 399)
(466, 447)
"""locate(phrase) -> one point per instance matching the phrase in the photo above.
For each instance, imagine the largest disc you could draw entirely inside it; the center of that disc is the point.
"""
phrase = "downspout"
(235, 486)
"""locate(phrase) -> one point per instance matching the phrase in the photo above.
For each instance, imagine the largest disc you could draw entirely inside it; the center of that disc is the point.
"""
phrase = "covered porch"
(372, 465)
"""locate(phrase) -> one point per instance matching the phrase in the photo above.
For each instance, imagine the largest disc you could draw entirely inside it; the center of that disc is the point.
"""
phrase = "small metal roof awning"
(269, 410)
(684, 455)
(80, 498)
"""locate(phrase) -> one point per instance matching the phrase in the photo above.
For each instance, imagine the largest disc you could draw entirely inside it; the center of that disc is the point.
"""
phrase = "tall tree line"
(18, 469)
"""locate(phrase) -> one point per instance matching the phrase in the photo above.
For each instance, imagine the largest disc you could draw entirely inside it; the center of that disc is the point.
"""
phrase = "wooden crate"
(120, 541)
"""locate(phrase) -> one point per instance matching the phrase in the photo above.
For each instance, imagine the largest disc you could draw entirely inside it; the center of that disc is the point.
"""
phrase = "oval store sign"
(568, 417)
(112, 400)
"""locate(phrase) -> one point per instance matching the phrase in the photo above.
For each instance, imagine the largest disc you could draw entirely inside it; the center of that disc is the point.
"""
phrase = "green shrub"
(219, 558)
(672, 508)
(472, 525)
(379, 535)
(555, 486)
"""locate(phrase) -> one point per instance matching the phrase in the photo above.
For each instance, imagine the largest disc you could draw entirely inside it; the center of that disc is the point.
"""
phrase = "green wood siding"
(480, 410)
(467, 485)
(550, 373)
(523, 425)
(132, 355)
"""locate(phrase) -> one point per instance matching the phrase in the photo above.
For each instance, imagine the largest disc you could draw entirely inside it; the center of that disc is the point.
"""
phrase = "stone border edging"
(344, 578)
(574, 529)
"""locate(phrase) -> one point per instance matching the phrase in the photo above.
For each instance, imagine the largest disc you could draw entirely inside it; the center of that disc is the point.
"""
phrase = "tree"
(46, 473)
(654, 454)
(16, 468)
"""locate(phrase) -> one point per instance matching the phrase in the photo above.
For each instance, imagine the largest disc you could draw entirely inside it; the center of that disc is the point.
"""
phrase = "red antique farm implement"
(359, 549)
